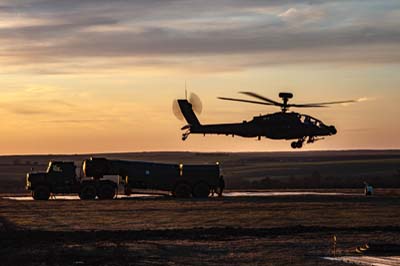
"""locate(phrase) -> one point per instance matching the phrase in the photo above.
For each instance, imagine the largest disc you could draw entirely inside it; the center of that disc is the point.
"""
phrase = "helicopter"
(283, 125)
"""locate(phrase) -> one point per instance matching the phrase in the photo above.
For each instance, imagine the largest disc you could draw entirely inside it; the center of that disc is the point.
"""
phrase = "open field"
(284, 230)
(243, 228)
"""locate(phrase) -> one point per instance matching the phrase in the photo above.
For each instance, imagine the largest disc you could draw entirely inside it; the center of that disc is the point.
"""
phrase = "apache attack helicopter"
(281, 125)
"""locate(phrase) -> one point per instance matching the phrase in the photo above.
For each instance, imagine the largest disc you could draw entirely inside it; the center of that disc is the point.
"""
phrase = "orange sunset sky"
(100, 76)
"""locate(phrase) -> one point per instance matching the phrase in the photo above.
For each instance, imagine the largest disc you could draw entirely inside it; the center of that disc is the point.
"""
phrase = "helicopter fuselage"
(273, 126)
(281, 125)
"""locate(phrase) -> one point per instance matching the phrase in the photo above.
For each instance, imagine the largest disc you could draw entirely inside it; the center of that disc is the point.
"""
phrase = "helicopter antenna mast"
(185, 91)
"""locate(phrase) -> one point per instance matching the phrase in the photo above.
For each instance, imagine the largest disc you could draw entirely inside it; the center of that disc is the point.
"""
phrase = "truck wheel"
(106, 192)
(201, 190)
(88, 192)
(182, 190)
(41, 193)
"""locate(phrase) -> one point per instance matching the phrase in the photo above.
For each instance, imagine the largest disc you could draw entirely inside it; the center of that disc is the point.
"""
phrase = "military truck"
(181, 180)
(62, 178)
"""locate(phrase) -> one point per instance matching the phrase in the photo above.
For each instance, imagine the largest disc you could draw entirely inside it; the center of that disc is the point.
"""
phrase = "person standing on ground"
(221, 186)
(368, 190)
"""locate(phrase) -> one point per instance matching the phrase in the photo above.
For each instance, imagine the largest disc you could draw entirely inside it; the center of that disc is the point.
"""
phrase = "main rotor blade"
(329, 103)
(244, 101)
(305, 105)
(255, 95)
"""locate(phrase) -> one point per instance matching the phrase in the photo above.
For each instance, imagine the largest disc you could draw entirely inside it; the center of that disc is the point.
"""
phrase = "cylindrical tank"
(96, 167)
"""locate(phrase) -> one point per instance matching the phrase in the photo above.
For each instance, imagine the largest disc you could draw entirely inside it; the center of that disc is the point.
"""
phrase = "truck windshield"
(54, 168)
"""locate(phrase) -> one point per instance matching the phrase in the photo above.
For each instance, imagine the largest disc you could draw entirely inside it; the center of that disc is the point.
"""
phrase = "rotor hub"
(285, 96)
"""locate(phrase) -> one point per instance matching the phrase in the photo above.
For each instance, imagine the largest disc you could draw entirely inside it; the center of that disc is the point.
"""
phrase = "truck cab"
(60, 177)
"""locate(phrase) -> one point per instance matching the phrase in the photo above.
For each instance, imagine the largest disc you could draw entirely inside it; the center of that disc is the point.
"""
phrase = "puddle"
(28, 198)
(368, 260)
(227, 194)
(286, 193)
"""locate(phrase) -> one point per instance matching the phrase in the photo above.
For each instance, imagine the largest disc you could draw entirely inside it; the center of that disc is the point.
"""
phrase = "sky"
(98, 76)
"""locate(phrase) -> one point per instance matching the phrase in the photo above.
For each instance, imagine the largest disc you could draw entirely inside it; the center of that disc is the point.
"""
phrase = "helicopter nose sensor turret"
(332, 130)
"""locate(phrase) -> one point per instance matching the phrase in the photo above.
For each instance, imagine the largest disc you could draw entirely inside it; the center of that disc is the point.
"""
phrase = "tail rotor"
(187, 109)
(176, 110)
(194, 101)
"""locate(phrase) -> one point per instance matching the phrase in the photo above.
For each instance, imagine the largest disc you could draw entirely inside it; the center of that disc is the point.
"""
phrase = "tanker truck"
(180, 180)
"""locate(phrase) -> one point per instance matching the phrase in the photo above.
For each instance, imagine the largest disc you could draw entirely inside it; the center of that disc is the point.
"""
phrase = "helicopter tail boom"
(188, 113)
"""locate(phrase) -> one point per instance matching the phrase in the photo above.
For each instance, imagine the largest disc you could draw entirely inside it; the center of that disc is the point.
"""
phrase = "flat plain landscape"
(295, 230)
(248, 230)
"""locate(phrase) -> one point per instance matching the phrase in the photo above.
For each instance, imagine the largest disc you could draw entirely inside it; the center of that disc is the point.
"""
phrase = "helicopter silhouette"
(282, 125)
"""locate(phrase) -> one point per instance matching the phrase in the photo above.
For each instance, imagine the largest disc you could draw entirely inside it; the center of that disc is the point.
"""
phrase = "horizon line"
(201, 152)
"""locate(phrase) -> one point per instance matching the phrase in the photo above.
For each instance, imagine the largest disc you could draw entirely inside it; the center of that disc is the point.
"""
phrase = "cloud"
(78, 121)
(36, 101)
(67, 35)
(302, 16)
(243, 40)
(289, 13)
(25, 110)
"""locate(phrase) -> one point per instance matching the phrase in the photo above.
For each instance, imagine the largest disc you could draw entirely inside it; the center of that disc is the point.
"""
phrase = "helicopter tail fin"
(188, 113)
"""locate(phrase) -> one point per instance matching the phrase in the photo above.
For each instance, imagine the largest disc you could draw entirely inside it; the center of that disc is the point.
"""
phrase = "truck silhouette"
(182, 181)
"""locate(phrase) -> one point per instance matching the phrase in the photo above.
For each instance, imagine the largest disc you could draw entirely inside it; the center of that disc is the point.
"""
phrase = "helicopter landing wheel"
(297, 144)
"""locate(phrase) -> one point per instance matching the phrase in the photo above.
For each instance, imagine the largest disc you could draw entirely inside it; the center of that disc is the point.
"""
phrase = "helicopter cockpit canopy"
(309, 120)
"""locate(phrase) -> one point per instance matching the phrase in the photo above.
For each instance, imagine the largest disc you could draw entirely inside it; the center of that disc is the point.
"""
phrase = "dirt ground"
(288, 230)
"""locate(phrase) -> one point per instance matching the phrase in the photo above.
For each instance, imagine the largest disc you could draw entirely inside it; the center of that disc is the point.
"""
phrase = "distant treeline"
(316, 180)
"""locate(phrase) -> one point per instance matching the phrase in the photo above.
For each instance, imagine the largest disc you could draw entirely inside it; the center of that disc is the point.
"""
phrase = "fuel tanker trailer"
(181, 180)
